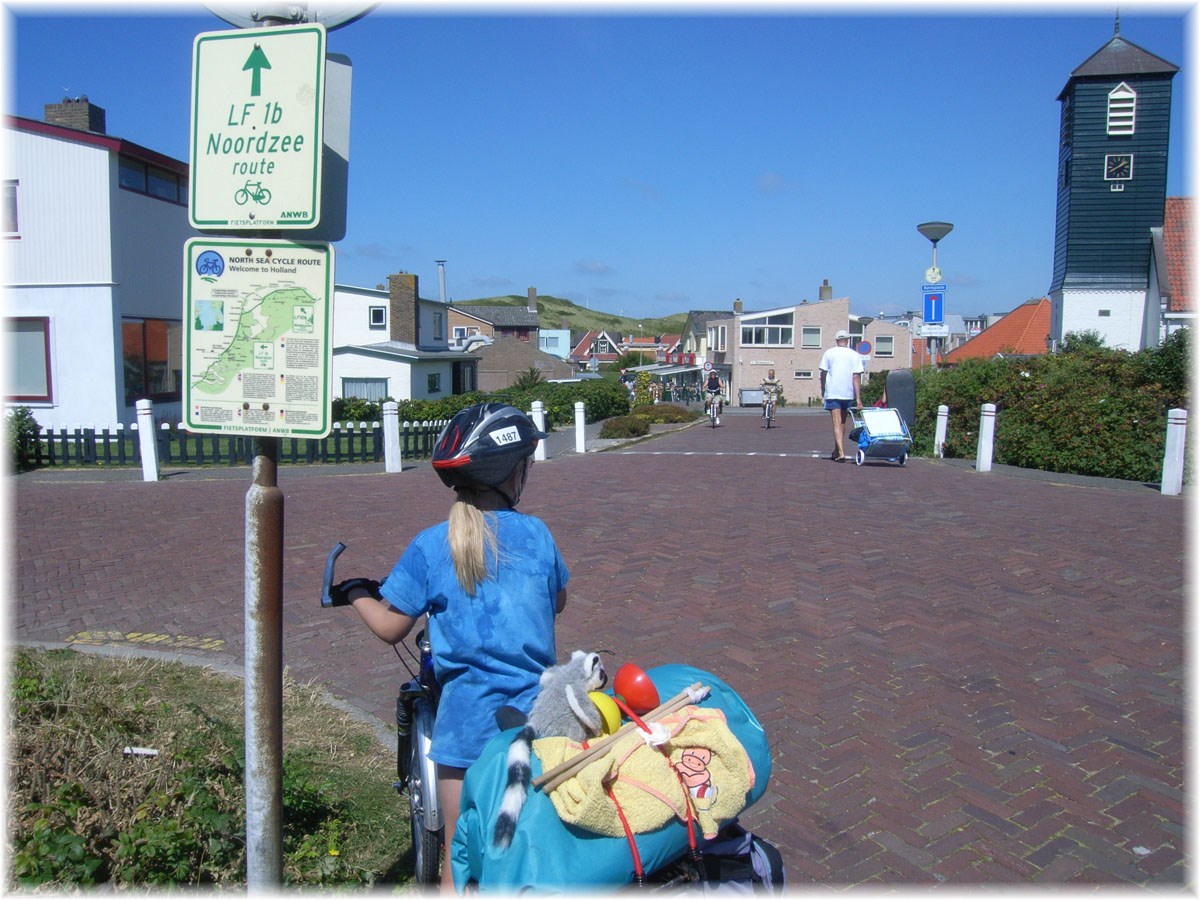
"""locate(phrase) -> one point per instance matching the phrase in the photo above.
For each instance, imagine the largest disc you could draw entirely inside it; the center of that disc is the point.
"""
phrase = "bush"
(620, 427)
(23, 430)
(1090, 411)
(355, 409)
(666, 413)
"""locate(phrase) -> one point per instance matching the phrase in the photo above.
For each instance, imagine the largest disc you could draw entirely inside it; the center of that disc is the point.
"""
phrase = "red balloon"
(635, 688)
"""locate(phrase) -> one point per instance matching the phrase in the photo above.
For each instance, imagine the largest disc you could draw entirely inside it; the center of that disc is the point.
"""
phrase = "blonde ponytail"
(472, 535)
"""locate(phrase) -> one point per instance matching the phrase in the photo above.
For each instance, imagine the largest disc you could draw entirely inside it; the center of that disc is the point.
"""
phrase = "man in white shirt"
(841, 387)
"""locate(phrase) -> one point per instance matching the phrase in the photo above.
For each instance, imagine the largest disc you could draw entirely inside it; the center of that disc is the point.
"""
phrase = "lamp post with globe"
(934, 232)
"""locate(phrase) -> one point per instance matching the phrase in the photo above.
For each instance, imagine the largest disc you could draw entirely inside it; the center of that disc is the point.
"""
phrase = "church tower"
(1112, 188)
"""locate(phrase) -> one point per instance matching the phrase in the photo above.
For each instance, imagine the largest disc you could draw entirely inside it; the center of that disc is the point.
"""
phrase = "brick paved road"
(965, 677)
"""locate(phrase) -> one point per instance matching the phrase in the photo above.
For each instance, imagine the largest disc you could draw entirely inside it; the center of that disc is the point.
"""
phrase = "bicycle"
(714, 410)
(416, 774)
(769, 410)
(253, 190)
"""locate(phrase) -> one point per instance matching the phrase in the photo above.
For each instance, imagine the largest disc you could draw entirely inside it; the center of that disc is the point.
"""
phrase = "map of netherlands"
(261, 320)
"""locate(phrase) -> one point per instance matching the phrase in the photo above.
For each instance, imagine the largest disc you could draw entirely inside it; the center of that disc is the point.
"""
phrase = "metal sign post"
(258, 320)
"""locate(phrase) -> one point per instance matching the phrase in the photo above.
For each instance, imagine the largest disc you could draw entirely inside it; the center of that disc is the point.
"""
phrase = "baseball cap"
(842, 335)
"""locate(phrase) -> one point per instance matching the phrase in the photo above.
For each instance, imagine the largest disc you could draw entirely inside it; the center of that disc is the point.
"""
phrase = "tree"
(530, 378)
(1076, 341)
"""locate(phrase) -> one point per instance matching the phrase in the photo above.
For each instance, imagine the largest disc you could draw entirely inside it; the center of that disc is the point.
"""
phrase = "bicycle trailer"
(630, 813)
(880, 434)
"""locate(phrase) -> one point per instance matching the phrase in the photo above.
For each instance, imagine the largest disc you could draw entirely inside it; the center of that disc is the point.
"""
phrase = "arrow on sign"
(256, 62)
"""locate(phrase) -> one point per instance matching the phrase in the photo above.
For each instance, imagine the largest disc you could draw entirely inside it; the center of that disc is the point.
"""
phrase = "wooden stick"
(552, 778)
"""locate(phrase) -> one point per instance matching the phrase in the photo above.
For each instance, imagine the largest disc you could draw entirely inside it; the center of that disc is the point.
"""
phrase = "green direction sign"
(257, 337)
(257, 130)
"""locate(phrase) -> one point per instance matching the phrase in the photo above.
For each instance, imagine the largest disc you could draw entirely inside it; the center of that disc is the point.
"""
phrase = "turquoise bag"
(548, 855)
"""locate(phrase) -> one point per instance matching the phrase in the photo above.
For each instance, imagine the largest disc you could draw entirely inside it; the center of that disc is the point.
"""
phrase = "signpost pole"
(263, 629)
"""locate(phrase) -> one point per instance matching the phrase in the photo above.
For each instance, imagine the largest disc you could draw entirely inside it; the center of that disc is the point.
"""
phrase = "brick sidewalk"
(964, 677)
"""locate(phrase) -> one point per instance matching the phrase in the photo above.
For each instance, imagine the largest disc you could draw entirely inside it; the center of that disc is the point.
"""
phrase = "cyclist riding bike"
(713, 389)
(772, 389)
(490, 580)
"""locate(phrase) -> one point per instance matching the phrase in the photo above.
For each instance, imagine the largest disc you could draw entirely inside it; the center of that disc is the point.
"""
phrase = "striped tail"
(516, 787)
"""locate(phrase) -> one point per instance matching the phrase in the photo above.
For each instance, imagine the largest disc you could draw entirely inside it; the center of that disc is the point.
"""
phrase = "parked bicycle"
(416, 773)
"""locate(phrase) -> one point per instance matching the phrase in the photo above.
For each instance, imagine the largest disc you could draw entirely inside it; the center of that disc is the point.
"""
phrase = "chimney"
(737, 307)
(441, 264)
(402, 308)
(77, 113)
(533, 300)
(826, 291)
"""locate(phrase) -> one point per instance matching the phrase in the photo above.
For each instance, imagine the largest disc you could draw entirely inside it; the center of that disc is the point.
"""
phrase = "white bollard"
(392, 454)
(147, 440)
(1172, 470)
(939, 436)
(987, 435)
(580, 428)
(539, 420)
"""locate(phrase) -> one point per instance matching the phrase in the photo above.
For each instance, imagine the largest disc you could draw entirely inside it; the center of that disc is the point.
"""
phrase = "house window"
(803, 374)
(433, 383)
(768, 331)
(153, 354)
(9, 210)
(885, 345)
(1122, 109)
(377, 316)
(716, 338)
(548, 342)
(1105, 313)
(29, 372)
(602, 346)
(437, 326)
(135, 175)
(374, 389)
(810, 337)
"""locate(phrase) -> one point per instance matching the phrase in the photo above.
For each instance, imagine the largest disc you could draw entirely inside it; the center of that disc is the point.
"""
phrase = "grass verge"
(89, 806)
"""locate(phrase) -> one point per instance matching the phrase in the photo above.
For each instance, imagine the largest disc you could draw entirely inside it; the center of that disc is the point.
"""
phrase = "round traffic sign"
(707, 366)
(864, 347)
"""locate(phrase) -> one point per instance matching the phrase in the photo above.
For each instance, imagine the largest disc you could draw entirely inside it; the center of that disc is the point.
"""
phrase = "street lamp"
(934, 232)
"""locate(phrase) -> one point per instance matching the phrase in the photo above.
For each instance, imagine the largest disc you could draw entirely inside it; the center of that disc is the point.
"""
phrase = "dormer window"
(1122, 108)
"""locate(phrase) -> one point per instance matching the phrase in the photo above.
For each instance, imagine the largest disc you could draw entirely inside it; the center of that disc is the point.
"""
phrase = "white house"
(394, 344)
(94, 231)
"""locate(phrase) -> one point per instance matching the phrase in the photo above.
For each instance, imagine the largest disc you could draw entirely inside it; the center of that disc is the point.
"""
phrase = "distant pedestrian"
(841, 387)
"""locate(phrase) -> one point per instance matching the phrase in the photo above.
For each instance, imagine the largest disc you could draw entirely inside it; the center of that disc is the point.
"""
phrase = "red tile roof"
(1023, 331)
(1177, 242)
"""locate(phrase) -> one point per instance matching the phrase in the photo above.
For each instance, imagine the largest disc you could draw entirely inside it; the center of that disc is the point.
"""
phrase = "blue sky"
(652, 164)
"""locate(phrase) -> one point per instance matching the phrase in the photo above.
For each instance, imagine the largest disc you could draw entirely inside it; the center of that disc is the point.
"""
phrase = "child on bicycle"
(491, 581)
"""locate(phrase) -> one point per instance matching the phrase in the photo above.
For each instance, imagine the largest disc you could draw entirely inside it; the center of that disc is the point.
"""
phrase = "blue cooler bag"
(549, 854)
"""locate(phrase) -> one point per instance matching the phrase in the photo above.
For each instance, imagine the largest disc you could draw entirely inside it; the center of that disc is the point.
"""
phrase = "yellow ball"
(610, 715)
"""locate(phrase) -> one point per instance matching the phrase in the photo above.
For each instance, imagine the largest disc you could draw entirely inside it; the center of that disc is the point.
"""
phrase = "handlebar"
(327, 599)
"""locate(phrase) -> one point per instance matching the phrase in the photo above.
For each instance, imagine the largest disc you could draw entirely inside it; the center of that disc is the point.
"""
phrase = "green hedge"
(1094, 411)
(602, 399)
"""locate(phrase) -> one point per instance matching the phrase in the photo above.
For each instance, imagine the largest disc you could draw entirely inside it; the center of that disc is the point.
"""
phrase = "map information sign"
(257, 128)
(257, 348)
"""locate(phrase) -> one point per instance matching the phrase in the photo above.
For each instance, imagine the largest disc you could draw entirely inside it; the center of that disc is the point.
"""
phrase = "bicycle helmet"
(482, 445)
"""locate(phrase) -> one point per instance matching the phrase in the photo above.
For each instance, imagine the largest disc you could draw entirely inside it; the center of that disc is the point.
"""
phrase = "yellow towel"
(715, 769)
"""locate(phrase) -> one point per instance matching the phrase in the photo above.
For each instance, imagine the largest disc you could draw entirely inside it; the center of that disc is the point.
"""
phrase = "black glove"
(339, 594)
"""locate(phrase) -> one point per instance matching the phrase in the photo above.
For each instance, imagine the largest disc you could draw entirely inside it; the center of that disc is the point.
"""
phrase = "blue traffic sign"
(934, 308)
(932, 288)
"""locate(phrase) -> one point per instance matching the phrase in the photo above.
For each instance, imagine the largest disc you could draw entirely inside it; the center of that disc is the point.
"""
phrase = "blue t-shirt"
(488, 649)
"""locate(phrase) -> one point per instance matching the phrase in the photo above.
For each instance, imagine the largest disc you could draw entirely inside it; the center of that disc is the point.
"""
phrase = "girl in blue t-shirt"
(491, 581)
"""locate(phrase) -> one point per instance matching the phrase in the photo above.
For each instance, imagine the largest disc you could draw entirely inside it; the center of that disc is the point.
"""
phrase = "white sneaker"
(718, 420)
